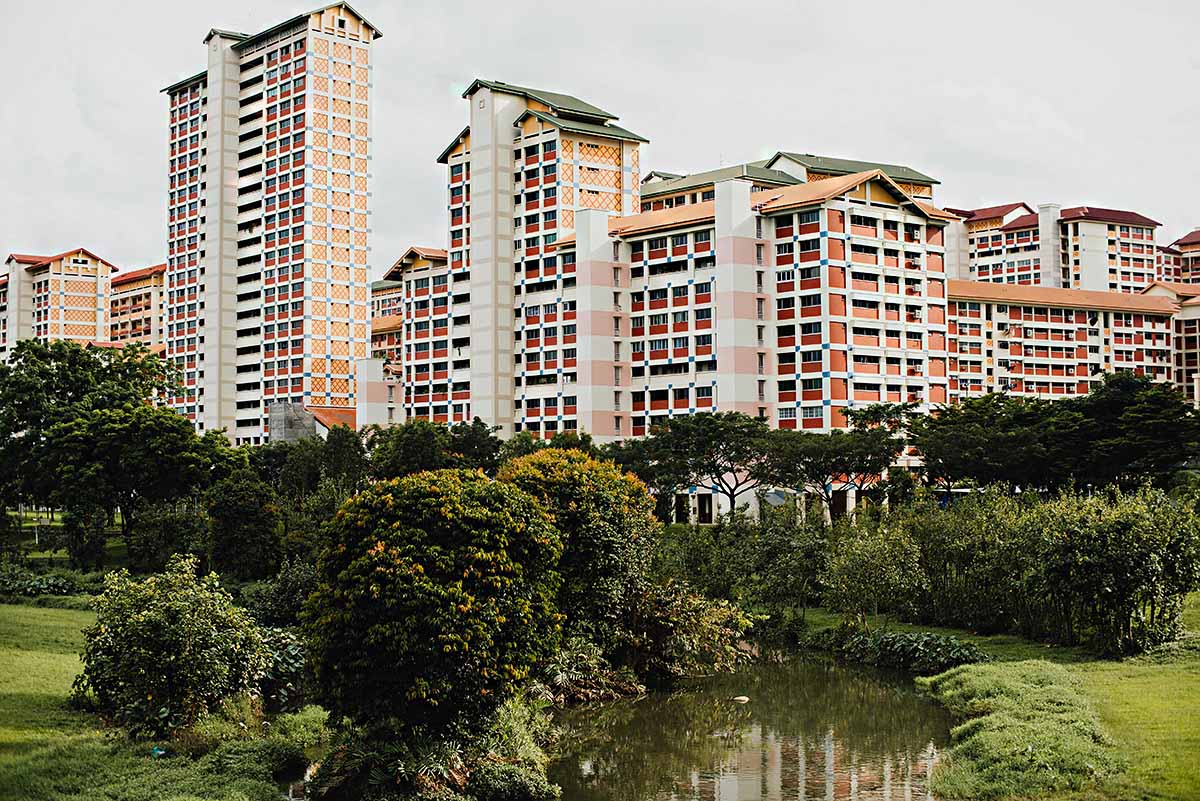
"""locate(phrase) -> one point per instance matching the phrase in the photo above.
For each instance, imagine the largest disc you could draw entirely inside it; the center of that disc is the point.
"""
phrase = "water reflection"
(810, 732)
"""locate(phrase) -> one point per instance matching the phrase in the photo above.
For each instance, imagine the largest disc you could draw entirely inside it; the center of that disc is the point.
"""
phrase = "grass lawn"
(1149, 706)
(50, 753)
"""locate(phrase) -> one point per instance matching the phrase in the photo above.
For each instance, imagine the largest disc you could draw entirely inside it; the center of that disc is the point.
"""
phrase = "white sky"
(1071, 102)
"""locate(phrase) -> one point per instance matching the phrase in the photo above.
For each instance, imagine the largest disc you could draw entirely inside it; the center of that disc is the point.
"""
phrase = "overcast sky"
(1077, 103)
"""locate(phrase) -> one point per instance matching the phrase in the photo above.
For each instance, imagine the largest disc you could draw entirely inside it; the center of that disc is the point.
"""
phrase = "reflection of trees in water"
(810, 731)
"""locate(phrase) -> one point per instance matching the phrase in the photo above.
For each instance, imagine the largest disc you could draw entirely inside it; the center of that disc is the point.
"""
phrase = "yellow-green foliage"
(1026, 729)
(435, 600)
(607, 522)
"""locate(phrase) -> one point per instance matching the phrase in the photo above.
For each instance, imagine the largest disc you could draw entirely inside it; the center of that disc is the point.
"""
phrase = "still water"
(810, 732)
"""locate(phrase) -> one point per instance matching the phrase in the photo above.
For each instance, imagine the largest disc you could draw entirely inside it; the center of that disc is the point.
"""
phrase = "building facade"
(135, 306)
(1081, 247)
(1043, 342)
(269, 174)
(54, 297)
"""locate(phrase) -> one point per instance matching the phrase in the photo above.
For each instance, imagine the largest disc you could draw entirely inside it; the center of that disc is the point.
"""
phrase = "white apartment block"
(267, 289)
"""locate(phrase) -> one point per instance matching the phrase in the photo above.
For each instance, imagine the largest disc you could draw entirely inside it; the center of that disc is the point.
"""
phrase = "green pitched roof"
(578, 126)
(836, 166)
(561, 103)
(186, 81)
(752, 170)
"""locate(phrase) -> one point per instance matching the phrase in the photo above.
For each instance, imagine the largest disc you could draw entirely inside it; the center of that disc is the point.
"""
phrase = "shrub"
(609, 531)
(502, 782)
(167, 649)
(21, 581)
(435, 601)
(278, 601)
(578, 673)
(305, 729)
(872, 571)
(286, 681)
(922, 653)
(680, 633)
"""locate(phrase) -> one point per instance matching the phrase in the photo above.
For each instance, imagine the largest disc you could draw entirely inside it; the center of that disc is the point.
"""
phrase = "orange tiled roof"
(25, 258)
(136, 275)
(1192, 238)
(1097, 214)
(819, 191)
(415, 252)
(648, 221)
(47, 259)
(386, 323)
(329, 416)
(1062, 298)
(1186, 290)
(1024, 221)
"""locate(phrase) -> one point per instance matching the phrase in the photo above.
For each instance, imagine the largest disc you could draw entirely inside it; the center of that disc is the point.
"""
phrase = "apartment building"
(1047, 342)
(527, 163)
(269, 219)
(1081, 247)
(1187, 248)
(135, 306)
(1168, 264)
(64, 296)
(666, 190)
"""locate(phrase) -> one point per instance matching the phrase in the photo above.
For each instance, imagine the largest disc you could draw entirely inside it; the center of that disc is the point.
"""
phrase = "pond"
(809, 731)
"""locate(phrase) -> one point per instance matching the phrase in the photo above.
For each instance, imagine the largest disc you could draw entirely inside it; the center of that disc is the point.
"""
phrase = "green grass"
(1148, 710)
(50, 753)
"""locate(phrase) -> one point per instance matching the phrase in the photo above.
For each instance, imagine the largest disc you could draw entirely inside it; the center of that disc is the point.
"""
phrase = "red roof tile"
(1107, 215)
(1059, 298)
(136, 275)
(1192, 238)
(329, 416)
(1024, 221)
(989, 212)
(1181, 289)
(25, 258)
(28, 260)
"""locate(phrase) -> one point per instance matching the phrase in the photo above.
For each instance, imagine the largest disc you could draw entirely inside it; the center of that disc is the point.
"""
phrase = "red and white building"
(269, 178)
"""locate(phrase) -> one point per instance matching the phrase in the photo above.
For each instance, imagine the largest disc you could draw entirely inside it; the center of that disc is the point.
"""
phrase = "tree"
(476, 445)
(43, 384)
(123, 457)
(873, 571)
(435, 599)
(637, 456)
(727, 450)
(520, 444)
(243, 521)
(343, 459)
(609, 532)
(163, 530)
(167, 649)
(412, 447)
(806, 461)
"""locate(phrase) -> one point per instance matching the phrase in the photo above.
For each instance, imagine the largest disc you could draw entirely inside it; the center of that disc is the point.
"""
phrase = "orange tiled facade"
(267, 291)
(135, 306)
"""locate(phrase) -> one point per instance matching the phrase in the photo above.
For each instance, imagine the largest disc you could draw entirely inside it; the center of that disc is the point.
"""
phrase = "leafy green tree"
(574, 441)
(83, 534)
(609, 532)
(123, 457)
(165, 650)
(344, 459)
(520, 444)
(243, 520)
(637, 456)
(873, 571)
(807, 462)
(727, 450)
(163, 530)
(44, 384)
(786, 558)
(475, 445)
(435, 599)
(414, 446)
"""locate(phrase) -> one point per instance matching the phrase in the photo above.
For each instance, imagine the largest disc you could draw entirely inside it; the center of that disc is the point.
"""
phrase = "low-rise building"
(136, 306)
(65, 296)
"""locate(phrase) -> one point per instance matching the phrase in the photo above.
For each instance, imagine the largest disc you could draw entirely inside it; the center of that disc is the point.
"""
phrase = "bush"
(578, 673)
(1026, 729)
(609, 532)
(435, 601)
(922, 653)
(680, 633)
(873, 571)
(305, 729)
(286, 681)
(23, 582)
(502, 782)
(166, 650)
(278, 601)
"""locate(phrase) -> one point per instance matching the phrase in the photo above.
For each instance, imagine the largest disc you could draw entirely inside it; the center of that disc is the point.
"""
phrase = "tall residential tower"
(267, 288)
